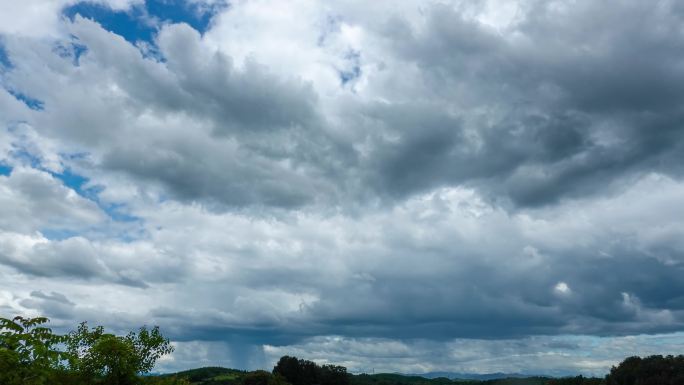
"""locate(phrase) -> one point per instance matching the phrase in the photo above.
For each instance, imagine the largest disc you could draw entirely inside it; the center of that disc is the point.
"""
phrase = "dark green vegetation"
(306, 375)
(31, 354)
(303, 372)
(294, 371)
(654, 370)
(397, 379)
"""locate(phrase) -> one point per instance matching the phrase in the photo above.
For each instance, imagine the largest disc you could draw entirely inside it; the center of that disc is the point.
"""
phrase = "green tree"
(303, 372)
(29, 353)
(262, 377)
(652, 370)
(290, 368)
(333, 375)
(115, 360)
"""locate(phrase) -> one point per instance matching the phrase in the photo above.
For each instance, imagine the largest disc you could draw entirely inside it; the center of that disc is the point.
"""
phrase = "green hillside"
(211, 376)
(224, 376)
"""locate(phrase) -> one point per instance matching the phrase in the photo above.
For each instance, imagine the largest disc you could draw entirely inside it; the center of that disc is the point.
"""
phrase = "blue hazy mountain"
(471, 376)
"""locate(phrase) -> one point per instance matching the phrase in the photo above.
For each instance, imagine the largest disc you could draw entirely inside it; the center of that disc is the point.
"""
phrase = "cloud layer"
(491, 183)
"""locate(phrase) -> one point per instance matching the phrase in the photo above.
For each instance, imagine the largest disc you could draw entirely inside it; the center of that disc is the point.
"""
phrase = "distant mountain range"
(470, 376)
(224, 376)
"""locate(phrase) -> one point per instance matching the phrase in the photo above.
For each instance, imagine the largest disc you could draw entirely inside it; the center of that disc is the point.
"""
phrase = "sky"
(413, 186)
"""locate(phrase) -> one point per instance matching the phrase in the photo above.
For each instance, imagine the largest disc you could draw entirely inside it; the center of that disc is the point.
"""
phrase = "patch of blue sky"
(30, 102)
(79, 183)
(132, 25)
(72, 50)
(195, 14)
(354, 57)
(58, 234)
(118, 212)
(24, 157)
(141, 21)
(331, 26)
(123, 232)
(75, 156)
(4, 57)
(6, 65)
(351, 75)
(5, 169)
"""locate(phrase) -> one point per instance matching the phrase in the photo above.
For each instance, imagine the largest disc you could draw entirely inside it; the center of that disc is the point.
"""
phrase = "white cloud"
(562, 289)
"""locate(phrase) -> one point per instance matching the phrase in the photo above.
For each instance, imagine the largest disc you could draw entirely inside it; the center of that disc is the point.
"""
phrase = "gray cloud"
(522, 114)
(55, 305)
(34, 200)
(570, 98)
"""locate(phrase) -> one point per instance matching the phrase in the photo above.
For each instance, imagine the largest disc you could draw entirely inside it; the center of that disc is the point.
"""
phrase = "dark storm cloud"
(435, 149)
(579, 96)
(455, 290)
(501, 307)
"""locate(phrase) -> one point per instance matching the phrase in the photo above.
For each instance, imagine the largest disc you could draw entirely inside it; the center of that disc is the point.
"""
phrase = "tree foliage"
(29, 351)
(31, 354)
(653, 370)
(113, 359)
(262, 377)
(303, 372)
(579, 380)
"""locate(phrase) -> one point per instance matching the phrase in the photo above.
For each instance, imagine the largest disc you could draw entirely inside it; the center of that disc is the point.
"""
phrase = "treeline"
(31, 354)
(653, 370)
(288, 371)
(579, 380)
(302, 372)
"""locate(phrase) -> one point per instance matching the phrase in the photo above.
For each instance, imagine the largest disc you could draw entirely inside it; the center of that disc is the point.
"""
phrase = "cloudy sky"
(472, 186)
